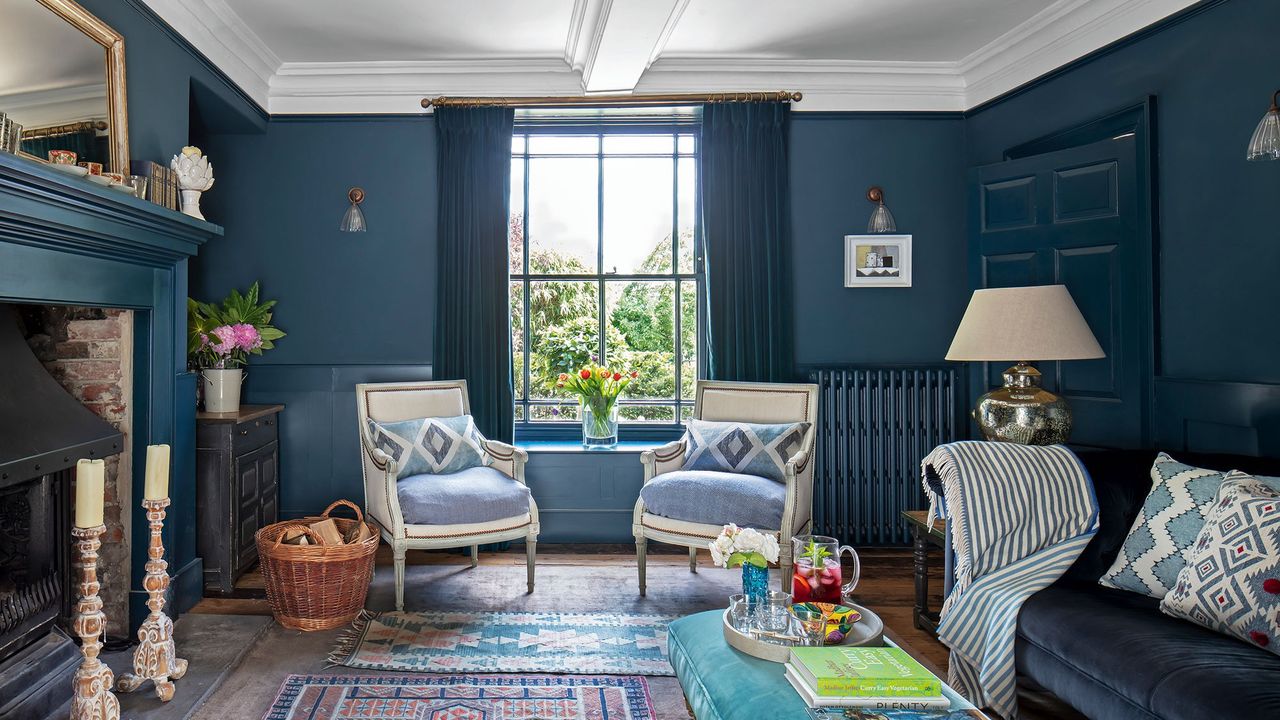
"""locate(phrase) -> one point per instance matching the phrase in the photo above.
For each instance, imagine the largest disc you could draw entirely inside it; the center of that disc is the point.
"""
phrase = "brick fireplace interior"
(88, 351)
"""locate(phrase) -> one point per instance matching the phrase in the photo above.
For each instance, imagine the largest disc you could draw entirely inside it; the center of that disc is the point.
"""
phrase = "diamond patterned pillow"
(1162, 535)
(433, 446)
(746, 448)
(1231, 583)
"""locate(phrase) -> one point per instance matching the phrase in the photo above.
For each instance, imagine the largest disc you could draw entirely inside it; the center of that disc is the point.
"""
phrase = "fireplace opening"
(65, 385)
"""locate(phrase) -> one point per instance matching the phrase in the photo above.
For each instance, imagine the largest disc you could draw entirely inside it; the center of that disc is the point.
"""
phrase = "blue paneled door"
(1079, 217)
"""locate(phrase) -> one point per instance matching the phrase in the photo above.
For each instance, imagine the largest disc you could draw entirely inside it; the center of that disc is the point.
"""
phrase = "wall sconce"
(353, 218)
(1265, 144)
(881, 219)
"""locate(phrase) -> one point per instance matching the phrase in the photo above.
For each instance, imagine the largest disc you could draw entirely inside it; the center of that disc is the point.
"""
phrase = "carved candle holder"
(155, 658)
(93, 699)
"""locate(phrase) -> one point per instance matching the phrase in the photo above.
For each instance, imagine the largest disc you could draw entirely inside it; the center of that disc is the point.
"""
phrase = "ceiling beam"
(623, 38)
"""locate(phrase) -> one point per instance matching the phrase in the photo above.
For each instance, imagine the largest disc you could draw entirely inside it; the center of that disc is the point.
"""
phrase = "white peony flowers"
(735, 546)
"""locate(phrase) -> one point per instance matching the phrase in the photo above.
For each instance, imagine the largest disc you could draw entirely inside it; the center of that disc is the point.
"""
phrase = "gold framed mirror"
(62, 78)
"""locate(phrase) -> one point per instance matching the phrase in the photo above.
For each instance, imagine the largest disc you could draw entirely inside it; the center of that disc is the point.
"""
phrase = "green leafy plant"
(224, 335)
(816, 553)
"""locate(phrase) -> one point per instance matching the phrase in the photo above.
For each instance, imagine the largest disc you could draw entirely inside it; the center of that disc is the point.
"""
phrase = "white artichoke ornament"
(195, 175)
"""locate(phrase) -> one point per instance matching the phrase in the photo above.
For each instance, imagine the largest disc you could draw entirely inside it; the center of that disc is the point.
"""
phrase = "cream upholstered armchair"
(424, 512)
(783, 508)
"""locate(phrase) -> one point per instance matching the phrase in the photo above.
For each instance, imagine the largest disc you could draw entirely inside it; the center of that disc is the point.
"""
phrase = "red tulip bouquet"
(598, 389)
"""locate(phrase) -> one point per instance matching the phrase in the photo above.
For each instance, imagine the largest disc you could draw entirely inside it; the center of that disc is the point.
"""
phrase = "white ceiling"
(384, 56)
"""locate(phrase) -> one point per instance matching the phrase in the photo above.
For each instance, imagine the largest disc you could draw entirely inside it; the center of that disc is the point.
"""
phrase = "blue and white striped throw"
(1018, 516)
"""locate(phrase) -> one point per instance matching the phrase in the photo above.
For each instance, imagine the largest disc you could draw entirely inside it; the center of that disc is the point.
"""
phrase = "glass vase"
(599, 425)
(755, 581)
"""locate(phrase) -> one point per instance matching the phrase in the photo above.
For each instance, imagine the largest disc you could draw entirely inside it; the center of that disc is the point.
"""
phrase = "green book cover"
(863, 672)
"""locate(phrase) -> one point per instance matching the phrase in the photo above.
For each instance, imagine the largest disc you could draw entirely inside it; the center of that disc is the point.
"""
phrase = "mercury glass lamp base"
(1023, 412)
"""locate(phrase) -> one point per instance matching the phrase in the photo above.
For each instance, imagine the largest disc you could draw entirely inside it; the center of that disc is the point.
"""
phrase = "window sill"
(571, 447)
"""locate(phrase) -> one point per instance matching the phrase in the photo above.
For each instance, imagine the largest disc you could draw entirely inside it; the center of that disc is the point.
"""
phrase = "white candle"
(91, 479)
(157, 486)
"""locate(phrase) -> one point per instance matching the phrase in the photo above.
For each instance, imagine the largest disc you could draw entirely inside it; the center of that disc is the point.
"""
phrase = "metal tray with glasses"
(776, 647)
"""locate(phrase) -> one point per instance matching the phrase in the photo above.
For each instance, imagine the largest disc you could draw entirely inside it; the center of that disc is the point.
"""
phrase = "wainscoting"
(1218, 417)
(319, 442)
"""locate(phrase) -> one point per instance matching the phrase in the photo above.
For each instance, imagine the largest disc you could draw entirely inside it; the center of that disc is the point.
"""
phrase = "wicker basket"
(316, 587)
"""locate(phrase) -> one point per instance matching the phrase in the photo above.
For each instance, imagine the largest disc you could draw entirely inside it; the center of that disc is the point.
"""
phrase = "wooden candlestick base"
(155, 659)
(92, 699)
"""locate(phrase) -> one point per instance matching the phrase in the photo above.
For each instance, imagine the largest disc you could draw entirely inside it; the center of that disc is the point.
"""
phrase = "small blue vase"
(755, 581)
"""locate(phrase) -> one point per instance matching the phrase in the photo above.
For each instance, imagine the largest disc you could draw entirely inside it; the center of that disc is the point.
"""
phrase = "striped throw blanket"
(1018, 516)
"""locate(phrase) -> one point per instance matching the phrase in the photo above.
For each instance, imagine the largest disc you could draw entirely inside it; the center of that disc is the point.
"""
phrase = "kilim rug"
(452, 642)
(462, 697)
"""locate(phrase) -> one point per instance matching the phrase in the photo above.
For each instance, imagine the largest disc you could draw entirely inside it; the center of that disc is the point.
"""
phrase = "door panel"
(1079, 217)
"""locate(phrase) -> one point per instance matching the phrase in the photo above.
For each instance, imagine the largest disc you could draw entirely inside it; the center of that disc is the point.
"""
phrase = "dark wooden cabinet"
(237, 489)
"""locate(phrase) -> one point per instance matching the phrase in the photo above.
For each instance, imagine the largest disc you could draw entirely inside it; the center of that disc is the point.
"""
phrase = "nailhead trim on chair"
(461, 535)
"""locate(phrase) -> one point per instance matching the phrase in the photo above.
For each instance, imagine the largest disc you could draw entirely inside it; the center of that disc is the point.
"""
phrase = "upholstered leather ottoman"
(724, 684)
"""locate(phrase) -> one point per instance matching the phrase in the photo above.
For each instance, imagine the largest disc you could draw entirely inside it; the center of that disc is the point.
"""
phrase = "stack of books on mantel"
(880, 678)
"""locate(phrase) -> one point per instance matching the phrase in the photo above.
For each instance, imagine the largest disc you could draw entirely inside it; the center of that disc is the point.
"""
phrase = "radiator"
(875, 425)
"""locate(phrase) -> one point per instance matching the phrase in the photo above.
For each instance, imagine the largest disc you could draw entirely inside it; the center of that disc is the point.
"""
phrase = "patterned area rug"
(462, 697)
(451, 642)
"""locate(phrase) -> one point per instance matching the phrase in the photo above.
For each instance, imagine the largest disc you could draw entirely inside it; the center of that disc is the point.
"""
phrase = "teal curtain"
(746, 230)
(473, 323)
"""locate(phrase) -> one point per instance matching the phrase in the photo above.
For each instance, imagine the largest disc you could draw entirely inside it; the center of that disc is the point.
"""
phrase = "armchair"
(425, 512)
(792, 500)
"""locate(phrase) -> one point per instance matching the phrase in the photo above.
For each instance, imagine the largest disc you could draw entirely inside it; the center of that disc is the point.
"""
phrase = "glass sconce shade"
(353, 218)
(1265, 144)
(881, 219)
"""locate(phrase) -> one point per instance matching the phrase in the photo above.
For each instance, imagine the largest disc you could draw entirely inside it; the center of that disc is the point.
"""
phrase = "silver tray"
(868, 632)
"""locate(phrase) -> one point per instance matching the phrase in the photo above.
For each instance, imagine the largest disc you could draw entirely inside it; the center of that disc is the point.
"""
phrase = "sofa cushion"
(1160, 540)
(1231, 583)
(474, 495)
(431, 445)
(1112, 655)
(737, 447)
(716, 498)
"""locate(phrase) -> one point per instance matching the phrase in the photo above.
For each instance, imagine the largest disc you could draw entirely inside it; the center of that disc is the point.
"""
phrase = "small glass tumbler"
(742, 611)
(774, 614)
(813, 624)
(139, 183)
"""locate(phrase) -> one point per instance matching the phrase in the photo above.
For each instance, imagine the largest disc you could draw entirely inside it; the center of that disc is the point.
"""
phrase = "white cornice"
(1063, 32)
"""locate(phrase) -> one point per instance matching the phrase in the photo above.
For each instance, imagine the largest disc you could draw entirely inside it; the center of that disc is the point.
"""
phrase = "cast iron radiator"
(875, 425)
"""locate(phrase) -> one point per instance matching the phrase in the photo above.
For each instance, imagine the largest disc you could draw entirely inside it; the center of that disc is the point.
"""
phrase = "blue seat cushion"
(716, 498)
(474, 495)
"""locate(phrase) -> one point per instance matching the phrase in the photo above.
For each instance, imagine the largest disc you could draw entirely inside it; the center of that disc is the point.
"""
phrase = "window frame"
(528, 430)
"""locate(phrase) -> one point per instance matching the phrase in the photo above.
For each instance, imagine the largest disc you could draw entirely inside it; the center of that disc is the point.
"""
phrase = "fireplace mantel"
(66, 241)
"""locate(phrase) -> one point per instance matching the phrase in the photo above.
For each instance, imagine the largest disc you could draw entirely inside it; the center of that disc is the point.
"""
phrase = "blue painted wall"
(1212, 74)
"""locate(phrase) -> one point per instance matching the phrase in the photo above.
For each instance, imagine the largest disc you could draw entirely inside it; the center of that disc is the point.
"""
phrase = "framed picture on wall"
(877, 261)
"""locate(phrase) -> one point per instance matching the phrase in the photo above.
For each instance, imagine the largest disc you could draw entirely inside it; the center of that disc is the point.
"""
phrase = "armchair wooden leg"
(398, 554)
(693, 560)
(531, 553)
(641, 544)
(475, 555)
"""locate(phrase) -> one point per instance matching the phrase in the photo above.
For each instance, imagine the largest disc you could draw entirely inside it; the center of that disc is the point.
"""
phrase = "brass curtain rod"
(616, 100)
(69, 128)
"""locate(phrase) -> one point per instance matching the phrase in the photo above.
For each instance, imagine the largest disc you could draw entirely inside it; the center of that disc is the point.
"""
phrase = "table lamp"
(1021, 325)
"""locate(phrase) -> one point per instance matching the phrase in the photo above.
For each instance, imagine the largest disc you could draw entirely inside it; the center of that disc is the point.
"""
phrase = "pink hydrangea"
(247, 337)
(227, 340)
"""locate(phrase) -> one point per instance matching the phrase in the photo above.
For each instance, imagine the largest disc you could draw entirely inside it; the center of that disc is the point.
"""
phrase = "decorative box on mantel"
(237, 489)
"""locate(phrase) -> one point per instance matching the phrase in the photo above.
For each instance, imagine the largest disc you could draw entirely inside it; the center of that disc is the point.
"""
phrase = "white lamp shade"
(1021, 324)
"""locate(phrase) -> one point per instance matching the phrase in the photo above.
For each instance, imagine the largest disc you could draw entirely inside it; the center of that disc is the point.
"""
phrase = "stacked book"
(883, 678)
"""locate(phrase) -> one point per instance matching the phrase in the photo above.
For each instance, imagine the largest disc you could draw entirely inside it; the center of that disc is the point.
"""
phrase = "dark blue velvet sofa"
(1112, 654)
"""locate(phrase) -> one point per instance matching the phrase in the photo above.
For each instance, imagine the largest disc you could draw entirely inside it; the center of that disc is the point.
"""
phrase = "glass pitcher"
(817, 575)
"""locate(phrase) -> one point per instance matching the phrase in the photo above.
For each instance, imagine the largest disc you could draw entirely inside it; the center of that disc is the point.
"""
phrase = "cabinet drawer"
(251, 435)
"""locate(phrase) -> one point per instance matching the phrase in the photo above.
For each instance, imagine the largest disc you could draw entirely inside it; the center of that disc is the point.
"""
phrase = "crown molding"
(215, 30)
(1066, 31)
(1061, 33)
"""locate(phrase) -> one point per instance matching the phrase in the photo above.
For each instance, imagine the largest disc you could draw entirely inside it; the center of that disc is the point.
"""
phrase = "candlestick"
(155, 658)
(92, 699)
(157, 485)
(91, 478)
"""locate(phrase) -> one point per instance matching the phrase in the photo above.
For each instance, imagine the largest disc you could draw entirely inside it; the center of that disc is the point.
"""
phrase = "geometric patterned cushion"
(746, 448)
(1161, 537)
(432, 446)
(1231, 583)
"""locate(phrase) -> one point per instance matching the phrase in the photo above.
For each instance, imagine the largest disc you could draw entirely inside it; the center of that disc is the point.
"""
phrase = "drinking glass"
(813, 624)
(774, 615)
(742, 612)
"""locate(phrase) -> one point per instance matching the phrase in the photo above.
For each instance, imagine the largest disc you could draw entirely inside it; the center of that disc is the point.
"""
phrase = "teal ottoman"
(724, 684)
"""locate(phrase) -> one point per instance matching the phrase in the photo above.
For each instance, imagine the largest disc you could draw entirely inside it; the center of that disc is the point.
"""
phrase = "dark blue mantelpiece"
(66, 241)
